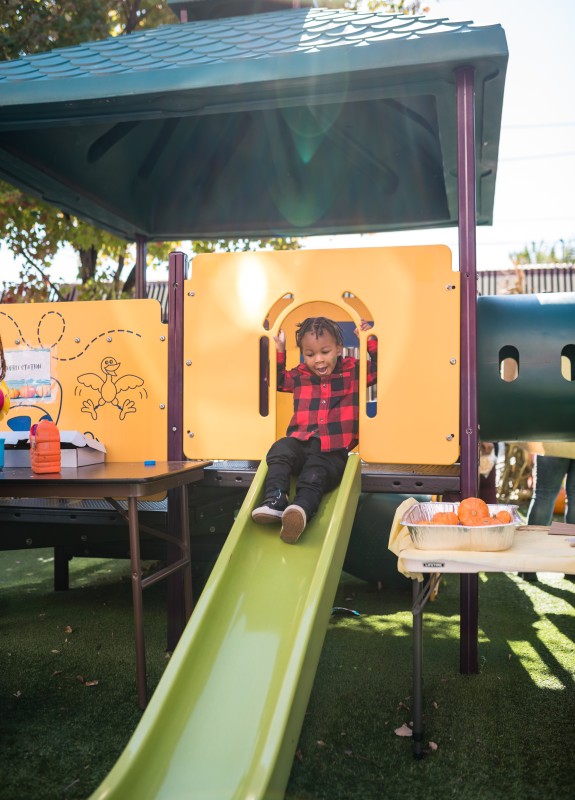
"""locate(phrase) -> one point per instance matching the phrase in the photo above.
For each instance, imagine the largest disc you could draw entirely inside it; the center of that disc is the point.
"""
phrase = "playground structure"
(287, 128)
(172, 749)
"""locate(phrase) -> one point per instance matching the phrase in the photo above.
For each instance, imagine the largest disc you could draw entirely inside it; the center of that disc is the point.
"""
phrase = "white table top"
(532, 551)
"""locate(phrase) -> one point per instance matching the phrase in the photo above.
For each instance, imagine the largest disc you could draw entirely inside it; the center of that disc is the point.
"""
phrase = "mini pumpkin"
(472, 510)
(503, 517)
(486, 521)
(445, 518)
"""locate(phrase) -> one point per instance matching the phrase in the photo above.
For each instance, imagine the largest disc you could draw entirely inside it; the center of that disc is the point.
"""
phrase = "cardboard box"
(76, 450)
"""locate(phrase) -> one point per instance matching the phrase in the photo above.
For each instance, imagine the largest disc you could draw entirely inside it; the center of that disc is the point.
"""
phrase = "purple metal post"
(466, 186)
(141, 249)
(177, 272)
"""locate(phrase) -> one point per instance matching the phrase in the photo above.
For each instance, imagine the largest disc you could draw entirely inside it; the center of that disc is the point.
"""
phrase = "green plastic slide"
(225, 718)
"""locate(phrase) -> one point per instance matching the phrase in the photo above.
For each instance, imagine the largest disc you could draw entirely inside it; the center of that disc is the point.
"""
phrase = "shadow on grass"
(497, 733)
(68, 702)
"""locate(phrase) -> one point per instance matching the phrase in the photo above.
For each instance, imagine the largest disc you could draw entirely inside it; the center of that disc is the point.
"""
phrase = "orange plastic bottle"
(45, 447)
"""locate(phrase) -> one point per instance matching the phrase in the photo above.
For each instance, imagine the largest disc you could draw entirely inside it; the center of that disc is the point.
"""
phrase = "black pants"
(317, 472)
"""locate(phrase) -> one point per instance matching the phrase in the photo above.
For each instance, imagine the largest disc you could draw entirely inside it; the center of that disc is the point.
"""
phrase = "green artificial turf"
(68, 701)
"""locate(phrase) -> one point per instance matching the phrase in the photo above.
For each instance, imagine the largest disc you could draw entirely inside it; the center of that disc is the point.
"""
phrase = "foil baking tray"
(459, 537)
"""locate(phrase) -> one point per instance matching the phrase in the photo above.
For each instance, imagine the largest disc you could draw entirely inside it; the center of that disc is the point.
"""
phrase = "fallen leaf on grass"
(56, 672)
(432, 746)
(401, 704)
(435, 705)
(320, 743)
(405, 730)
(299, 755)
(18, 693)
(68, 629)
(83, 680)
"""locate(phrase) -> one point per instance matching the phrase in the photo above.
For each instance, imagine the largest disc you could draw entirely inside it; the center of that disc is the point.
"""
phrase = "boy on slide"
(324, 426)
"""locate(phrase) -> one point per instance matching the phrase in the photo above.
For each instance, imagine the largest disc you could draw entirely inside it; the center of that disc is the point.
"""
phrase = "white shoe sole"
(294, 520)
(266, 516)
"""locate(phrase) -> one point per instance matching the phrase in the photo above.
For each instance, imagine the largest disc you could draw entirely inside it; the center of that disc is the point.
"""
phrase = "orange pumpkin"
(472, 510)
(559, 507)
(503, 517)
(13, 393)
(445, 518)
(486, 521)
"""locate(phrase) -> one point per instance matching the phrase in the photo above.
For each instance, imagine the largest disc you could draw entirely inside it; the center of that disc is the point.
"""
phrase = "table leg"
(137, 601)
(421, 592)
(185, 536)
(468, 624)
(417, 612)
(176, 589)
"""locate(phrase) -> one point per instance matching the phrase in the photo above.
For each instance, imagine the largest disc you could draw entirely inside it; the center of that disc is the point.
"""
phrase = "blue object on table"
(150, 463)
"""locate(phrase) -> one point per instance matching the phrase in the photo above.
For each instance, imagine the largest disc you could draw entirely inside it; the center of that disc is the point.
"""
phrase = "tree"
(35, 231)
(561, 252)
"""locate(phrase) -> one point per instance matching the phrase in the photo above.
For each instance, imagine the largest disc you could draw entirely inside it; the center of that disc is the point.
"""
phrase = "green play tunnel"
(526, 367)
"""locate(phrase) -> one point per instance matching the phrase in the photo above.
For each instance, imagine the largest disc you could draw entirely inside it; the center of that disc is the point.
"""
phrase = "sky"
(535, 189)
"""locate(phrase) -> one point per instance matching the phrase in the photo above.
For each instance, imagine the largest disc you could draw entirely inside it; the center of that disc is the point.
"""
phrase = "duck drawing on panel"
(108, 388)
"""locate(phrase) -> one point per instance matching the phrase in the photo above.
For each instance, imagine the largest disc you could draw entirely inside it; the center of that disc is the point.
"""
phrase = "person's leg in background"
(548, 474)
(487, 488)
(488, 452)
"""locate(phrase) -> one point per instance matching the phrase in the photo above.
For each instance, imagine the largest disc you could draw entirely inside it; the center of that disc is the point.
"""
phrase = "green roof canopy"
(296, 122)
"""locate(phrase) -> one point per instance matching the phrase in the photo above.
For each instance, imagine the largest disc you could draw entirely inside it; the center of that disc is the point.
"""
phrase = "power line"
(510, 220)
(538, 125)
(539, 156)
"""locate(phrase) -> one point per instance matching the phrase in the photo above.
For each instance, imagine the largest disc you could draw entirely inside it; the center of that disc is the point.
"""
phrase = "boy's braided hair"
(318, 326)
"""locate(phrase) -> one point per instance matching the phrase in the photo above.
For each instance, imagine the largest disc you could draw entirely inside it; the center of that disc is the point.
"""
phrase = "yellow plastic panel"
(96, 367)
(411, 294)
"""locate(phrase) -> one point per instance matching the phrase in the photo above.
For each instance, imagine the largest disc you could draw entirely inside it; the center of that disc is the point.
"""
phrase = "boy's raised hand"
(364, 325)
(280, 341)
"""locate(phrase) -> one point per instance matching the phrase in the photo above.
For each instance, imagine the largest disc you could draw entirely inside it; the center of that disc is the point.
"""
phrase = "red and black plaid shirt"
(327, 407)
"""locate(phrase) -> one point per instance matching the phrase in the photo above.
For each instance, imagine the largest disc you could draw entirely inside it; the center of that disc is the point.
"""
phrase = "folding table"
(533, 550)
(131, 480)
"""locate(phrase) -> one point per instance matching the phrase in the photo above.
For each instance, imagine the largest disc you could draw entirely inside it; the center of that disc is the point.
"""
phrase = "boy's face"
(320, 354)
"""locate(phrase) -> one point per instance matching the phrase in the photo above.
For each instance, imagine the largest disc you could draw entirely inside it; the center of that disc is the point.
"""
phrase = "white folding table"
(533, 550)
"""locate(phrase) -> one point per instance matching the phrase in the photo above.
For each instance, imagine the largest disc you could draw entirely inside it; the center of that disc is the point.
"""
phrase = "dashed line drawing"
(61, 335)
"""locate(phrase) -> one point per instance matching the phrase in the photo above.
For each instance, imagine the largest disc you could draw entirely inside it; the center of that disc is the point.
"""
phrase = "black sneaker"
(271, 509)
